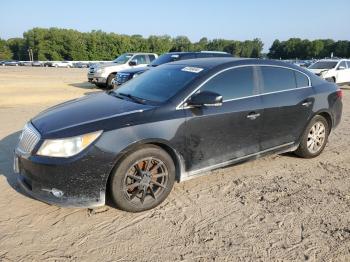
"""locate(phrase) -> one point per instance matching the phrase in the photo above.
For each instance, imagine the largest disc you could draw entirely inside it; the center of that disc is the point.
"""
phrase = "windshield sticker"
(192, 69)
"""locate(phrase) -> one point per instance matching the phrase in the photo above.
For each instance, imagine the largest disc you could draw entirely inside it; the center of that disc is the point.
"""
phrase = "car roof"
(224, 62)
(197, 52)
(140, 53)
(207, 62)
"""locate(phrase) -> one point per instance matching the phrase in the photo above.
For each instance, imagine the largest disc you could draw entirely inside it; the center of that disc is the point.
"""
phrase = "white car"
(66, 64)
(333, 70)
(103, 74)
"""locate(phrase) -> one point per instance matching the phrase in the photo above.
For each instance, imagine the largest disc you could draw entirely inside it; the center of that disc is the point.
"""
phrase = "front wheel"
(143, 179)
(109, 80)
(314, 138)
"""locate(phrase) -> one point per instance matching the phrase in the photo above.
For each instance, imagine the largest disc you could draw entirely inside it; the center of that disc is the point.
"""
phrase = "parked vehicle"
(125, 75)
(48, 64)
(66, 64)
(11, 63)
(25, 63)
(103, 74)
(173, 123)
(333, 70)
(37, 63)
(81, 65)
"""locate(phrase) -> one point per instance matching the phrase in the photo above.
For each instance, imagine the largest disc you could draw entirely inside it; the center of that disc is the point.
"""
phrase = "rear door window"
(141, 59)
(348, 63)
(277, 79)
(151, 57)
(233, 83)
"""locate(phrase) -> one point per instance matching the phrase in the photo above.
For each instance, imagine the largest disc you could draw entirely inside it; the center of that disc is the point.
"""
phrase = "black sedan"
(173, 123)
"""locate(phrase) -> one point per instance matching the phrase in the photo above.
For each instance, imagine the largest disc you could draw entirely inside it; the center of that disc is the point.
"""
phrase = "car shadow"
(7, 146)
(84, 85)
(290, 154)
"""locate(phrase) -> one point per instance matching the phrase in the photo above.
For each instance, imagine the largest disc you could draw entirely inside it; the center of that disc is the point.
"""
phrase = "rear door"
(287, 100)
(142, 60)
(219, 134)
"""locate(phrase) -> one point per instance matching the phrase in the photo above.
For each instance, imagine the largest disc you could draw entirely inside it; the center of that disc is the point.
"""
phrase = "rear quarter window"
(277, 79)
(301, 79)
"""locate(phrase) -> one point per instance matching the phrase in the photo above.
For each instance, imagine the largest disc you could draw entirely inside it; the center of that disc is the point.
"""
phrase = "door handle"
(253, 116)
(307, 103)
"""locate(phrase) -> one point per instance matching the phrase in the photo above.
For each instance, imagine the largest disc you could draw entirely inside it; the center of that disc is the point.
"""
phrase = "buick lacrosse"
(175, 122)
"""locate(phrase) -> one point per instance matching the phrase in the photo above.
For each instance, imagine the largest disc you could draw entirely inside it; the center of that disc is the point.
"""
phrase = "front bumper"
(92, 78)
(82, 180)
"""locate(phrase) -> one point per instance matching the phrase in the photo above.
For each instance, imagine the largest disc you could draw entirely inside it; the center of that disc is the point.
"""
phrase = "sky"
(236, 20)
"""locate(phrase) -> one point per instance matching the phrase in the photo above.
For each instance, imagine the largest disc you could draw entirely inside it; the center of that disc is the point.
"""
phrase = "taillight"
(340, 94)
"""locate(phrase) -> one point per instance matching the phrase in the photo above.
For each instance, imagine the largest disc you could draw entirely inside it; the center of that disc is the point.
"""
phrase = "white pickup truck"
(103, 74)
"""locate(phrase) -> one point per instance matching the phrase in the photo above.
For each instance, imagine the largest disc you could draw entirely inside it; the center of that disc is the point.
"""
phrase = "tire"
(331, 80)
(109, 80)
(135, 190)
(314, 140)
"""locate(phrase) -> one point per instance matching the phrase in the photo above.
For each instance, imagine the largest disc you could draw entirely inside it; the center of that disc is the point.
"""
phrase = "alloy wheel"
(316, 137)
(146, 180)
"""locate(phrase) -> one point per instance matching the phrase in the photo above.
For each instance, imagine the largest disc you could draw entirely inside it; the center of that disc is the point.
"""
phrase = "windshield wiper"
(134, 98)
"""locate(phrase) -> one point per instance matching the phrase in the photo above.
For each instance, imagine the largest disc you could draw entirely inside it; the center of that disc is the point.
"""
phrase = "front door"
(230, 131)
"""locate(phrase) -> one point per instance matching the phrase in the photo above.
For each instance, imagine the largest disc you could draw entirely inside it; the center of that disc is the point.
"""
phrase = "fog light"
(56, 192)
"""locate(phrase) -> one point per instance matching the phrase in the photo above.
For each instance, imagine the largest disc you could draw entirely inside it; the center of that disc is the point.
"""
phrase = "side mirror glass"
(133, 63)
(205, 98)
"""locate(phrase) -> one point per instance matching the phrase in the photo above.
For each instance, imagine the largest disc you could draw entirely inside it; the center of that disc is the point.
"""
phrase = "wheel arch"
(328, 116)
(163, 144)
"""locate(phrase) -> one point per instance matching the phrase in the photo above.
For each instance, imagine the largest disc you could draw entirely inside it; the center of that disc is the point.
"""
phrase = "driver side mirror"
(133, 63)
(205, 98)
(341, 67)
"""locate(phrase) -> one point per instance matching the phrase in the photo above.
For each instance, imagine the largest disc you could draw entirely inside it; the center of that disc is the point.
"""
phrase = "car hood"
(135, 70)
(318, 71)
(87, 114)
(109, 64)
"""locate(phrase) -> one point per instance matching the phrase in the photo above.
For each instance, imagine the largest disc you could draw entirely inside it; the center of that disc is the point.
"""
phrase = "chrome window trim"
(182, 105)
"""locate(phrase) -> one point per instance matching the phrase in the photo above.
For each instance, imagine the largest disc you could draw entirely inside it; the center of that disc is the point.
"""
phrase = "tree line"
(306, 49)
(68, 44)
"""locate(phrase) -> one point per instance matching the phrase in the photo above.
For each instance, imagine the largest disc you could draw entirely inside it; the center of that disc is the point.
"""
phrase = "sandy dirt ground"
(277, 208)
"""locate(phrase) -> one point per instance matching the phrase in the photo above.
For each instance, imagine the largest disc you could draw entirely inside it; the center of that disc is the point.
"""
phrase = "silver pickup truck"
(103, 74)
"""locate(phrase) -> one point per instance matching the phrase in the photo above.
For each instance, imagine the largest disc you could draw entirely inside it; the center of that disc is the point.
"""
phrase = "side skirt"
(288, 147)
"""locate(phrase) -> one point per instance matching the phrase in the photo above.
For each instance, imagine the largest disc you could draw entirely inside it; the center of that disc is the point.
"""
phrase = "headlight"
(67, 147)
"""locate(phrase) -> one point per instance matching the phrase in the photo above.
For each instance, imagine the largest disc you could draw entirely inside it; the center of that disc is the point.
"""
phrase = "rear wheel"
(143, 179)
(314, 138)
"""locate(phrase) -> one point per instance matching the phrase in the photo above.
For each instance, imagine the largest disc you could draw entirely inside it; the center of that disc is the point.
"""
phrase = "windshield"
(166, 58)
(324, 65)
(159, 84)
(122, 59)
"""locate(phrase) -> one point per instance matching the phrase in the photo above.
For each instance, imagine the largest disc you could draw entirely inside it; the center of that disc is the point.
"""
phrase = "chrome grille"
(28, 139)
(122, 78)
